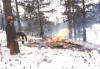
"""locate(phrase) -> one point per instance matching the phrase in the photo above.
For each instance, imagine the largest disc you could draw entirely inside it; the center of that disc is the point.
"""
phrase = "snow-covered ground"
(36, 57)
(93, 34)
(93, 23)
(46, 58)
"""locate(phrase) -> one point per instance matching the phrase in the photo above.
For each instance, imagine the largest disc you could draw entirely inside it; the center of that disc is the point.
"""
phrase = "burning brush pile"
(59, 40)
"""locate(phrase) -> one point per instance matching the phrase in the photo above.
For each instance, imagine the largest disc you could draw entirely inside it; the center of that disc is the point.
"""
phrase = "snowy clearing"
(37, 57)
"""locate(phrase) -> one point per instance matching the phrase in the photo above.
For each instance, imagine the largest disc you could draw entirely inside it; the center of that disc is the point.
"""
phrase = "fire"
(59, 36)
(59, 39)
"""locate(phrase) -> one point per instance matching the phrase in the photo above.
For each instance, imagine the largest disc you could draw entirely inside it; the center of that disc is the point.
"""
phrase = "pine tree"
(76, 18)
(18, 16)
(7, 9)
(69, 16)
(34, 16)
(84, 21)
(41, 24)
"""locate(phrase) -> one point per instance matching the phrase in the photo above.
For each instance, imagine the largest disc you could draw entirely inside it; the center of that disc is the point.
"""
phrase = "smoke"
(54, 29)
(87, 45)
(23, 25)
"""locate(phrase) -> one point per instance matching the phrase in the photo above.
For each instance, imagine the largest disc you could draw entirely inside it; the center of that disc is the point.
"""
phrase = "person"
(23, 35)
(11, 37)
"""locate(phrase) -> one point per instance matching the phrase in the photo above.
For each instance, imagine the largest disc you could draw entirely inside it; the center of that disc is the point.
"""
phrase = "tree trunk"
(74, 21)
(18, 17)
(74, 25)
(69, 15)
(7, 9)
(39, 19)
(84, 21)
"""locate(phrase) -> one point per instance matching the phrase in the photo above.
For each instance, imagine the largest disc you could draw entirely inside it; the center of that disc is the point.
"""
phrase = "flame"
(59, 36)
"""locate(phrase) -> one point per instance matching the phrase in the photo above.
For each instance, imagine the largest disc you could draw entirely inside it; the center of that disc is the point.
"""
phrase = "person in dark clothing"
(11, 33)
(23, 35)
(11, 38)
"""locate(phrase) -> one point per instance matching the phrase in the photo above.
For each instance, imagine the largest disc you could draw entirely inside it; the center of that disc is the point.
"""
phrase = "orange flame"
(59, 36)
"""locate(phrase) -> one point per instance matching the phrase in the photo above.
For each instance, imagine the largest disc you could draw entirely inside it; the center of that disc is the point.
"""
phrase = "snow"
(47, 58)
(95, 1)
(93, 25)
(92, 1)
(93, 34)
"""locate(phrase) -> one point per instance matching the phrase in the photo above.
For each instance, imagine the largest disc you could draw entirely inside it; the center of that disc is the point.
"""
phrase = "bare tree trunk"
(74, 25)
(7, 9)
(69, 15)
(84, 21)
(18, 17)
(39, 18)
(74, 21)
